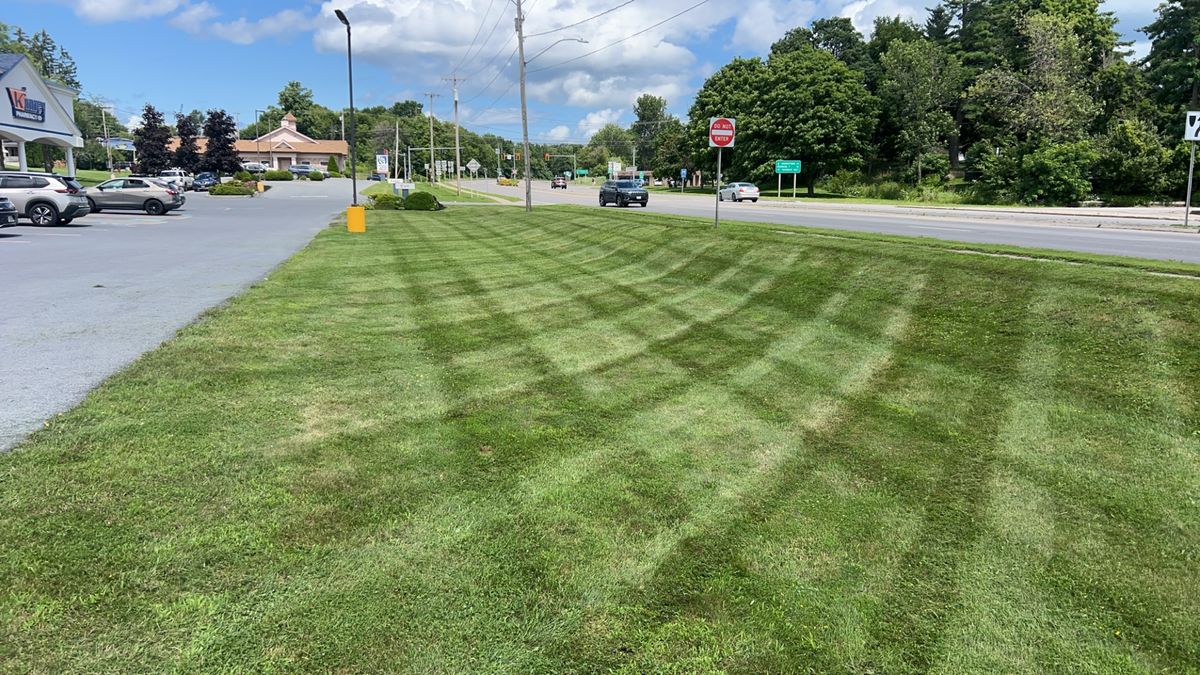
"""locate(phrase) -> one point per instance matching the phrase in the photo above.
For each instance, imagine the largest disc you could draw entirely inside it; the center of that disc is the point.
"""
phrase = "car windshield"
(625, 184)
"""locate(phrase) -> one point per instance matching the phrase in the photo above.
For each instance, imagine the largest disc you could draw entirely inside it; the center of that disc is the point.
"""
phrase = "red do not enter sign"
(721, 131)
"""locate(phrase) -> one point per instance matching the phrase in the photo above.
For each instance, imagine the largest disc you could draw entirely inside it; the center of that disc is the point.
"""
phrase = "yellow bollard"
(260, 186)
(356, 219)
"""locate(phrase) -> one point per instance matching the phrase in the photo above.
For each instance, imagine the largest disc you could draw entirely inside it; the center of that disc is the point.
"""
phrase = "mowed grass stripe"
(481, 440)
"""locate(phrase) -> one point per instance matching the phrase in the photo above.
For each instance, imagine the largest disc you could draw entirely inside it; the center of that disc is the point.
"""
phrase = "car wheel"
(92, 205)
(720, 197)
(43, 214)
(154, 207)
(602, 202)
(754, 201)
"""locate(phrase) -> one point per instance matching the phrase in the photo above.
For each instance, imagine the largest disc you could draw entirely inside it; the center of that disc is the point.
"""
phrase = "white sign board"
(473, 165)
(381, 163)
(614, 168)
(1191, 128)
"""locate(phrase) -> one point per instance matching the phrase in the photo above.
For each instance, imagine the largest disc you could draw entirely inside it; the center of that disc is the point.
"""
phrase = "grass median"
(572, 441)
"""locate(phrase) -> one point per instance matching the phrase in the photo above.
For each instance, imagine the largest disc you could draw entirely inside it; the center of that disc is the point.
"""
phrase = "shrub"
(935, 169)
(231, 189)
(277, 174)
(387, 201)
(333, 174)
(1057, 173)
(331, 165)
(243, 176)
(844, 182)
(422, 201)
(316, 175)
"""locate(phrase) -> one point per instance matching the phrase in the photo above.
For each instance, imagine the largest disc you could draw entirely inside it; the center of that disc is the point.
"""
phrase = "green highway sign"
(787, 166)
(581, 172)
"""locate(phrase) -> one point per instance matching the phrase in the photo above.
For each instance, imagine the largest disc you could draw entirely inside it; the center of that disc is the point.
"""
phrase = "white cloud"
(123, 10)
(559, 133)
(594, 121)
(862, 13)
(194, 18)
(1140, 49)
(243, 31)
(134, 122)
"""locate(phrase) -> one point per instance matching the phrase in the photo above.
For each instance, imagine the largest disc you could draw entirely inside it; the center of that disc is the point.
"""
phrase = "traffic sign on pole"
(721, 131)
(473, 165)
(1191, 127)
(787, 166)
(381, 163)
(1191, 132)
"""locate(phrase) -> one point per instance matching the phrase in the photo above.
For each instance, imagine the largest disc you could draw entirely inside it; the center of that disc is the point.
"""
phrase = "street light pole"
(258, 136)
(350, 71)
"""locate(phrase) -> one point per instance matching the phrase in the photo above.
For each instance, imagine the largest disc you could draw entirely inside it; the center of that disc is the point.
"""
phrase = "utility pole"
(520, 21)
(107, 140)
(497, 161)
(396, 156)
(432, 171)
(454, 80)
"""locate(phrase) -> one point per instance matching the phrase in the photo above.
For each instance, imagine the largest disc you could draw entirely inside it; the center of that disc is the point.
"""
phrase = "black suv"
(622, 193)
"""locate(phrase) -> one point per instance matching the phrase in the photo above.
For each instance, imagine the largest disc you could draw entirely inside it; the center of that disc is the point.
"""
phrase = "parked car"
(375, 175)
(558, 182)
(143, 194)
(622, 193)
(205, 180)
(738, 191)
(8, 212)
(255, 167)
(44, 198)
(658, 182)
(300, 169)
(178, 177)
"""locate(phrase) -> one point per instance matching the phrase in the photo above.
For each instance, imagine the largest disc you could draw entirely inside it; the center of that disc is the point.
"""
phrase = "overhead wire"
(482, 23)
(597, 16)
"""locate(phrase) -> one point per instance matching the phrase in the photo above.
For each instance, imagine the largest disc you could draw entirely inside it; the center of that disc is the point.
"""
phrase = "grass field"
(481, 440)
(443, 192)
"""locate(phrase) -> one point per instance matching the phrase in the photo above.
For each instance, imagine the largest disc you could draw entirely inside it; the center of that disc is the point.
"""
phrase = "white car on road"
(738, 191)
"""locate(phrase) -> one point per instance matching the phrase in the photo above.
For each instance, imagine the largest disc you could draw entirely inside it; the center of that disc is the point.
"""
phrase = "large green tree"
(650, 114)
(921, 84)
(1173, 65)
(836, 35)
(735, 90)
(150, 141)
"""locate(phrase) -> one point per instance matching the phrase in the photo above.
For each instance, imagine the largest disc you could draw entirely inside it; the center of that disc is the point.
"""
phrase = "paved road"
(1086, 232)
(82, 301)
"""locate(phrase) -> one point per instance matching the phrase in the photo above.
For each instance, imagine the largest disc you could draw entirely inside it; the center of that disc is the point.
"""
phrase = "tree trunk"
(812, 181)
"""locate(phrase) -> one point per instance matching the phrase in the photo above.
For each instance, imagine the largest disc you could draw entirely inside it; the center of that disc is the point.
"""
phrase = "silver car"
(738, 191)
(44, 198)
(143, 194)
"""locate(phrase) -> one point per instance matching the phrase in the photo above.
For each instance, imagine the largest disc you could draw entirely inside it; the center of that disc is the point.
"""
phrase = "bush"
(935, 169)
(422, 201)
(243, 176)
(231, 189)
(333, 174)
(844, 182)
(316, 175)
(387, 201)
(331, 165)
(1057, 173)
(277, 174)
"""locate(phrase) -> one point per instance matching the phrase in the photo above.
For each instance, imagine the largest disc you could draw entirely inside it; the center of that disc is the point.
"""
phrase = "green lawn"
(481, 440)
(442, 191)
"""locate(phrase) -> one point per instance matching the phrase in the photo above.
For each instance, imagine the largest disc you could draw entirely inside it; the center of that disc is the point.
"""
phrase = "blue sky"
(235, 55)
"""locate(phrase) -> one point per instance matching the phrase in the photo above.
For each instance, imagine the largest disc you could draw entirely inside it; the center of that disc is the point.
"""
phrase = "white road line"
(934, 227)
(14, 241)
(51, 234)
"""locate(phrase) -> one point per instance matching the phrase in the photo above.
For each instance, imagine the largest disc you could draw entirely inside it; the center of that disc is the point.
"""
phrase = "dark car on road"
(204, 181)
(8, 212)
(375, 175)
(622, 193)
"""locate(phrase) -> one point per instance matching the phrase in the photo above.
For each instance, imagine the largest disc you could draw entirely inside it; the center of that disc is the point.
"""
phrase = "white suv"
(44, 198)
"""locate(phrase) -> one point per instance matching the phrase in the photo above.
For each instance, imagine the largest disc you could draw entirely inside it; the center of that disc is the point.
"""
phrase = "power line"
(627, 37)
(555, 30)
(499, 72)
(479, 30)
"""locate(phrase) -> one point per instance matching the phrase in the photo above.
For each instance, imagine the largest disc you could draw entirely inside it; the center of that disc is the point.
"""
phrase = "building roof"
(243, 146)
(290, 117)
(9, 61)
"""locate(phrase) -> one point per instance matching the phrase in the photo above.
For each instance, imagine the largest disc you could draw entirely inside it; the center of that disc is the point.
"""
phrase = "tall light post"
(258, 135)
(350, 70)
(520, 21)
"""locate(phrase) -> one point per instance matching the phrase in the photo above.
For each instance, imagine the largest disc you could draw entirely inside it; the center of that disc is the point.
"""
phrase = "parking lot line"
(14, 241)
(51, 234)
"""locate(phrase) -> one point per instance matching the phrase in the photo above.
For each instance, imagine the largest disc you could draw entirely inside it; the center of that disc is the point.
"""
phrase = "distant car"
(179, 177)
(558, 182)
(8, 212)
(44, 198)
(205, 180)
(657, 182)
(622, 193)
(300, 169)
(254, 167)
(143, 194)
(375, 175)
(738, 192)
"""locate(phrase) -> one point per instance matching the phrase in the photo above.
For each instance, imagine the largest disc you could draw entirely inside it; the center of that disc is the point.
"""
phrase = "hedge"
(233, 189)
(277, 174)
(422, 201)
(316, 175)
(387, 201)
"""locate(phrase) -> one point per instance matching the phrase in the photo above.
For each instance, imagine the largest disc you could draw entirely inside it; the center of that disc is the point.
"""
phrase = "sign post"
(721, 131)
(783, 166)
(381, 164)
(682, 179)
(1191, 133)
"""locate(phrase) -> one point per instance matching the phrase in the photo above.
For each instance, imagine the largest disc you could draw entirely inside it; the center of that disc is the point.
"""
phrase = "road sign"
(721, 131)
(473, 166)
(683, 173)
(581, 172)
(381, 163)
(1191, 129)
(787, 166)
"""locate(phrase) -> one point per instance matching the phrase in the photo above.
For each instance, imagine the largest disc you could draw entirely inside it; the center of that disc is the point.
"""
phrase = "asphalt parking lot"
(83, 300)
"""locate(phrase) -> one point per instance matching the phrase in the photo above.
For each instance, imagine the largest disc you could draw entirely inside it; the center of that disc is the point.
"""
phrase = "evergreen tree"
(186, 155)
(1173, 65)
(221, 157)
(939, 27)
(150, 140)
